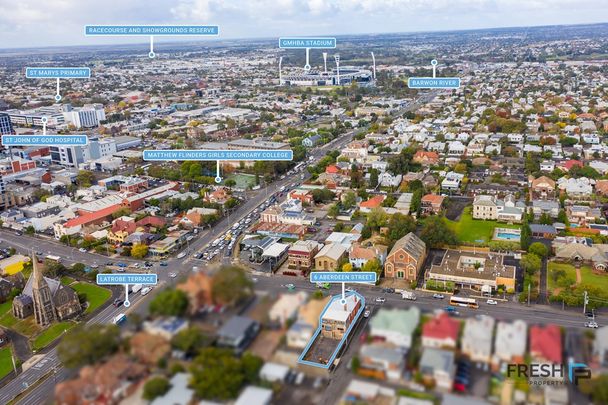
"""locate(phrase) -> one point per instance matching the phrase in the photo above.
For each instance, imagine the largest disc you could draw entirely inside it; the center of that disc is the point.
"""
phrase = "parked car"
(458, 387)
(145, 290)
(117, 302)
(164, 264)
(367, 313)
(172, 275)
(290, 286)
(82, 250)
(438, 296)
(181, 255)
(388, 290)
(380, 300)
(592, 325)
(492, 302)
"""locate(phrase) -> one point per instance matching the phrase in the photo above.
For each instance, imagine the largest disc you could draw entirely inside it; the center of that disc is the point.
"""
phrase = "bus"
(464, 302)
(52, 258)
(118, 319)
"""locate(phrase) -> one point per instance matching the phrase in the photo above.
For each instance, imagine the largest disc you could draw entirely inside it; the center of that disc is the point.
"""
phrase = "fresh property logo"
(553, 373)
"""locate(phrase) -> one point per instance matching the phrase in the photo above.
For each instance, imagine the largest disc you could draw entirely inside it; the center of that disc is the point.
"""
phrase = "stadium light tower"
(374, 65)
(280, 74)
(325, 62)
(337, 58)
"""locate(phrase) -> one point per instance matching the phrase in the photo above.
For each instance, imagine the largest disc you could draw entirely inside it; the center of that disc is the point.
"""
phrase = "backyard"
(475, 231)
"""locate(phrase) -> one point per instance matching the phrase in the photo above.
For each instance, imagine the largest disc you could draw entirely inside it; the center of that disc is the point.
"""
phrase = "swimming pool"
(511, 235)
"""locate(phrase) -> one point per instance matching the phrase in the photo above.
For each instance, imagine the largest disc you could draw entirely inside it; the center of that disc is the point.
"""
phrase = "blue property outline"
(318, 331)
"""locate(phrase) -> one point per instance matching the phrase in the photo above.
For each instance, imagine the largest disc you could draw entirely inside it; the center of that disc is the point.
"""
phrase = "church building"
(47, 299)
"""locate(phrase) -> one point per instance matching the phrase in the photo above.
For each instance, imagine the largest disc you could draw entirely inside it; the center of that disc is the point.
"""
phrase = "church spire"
(37, 277)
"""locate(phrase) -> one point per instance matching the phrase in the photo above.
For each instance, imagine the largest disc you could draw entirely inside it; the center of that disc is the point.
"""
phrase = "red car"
(458, 387)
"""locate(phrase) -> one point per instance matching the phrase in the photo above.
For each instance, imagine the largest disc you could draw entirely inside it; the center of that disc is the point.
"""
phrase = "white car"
(181, 255)
(367, 313)
(83, 250)
(592, 325)
(438, 296)
(172, 275)
(492, 302)
(380, 300)
(145, 291)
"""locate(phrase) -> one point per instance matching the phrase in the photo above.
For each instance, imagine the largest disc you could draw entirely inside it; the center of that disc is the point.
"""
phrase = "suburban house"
(542, 188)
(300, 333)
(431, 204)
(426, 158)
(477, 338)
(405, 258)
(546, 343)
(437, 365)
(358, 255)
(238, 333)
(395, 326)
(329, 257)
(488, 207)
(441, 332)
(286, 307)
(510, 342)
(381, 360)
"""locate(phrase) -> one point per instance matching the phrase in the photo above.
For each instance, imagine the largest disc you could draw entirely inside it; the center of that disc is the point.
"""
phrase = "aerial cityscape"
(304, 202)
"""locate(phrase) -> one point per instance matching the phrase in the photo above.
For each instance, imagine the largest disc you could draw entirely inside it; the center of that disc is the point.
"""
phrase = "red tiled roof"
(332, 169)
(441, 327)
(373, 202)
(569, 164)
(92, 216)
(433, 198)
(546, 343)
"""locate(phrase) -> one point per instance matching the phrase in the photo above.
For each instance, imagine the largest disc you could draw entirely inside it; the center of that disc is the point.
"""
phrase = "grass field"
(569, 276)
(65, 280)
(471, 230)
(6, 364)
(50, 334)
(96, 295)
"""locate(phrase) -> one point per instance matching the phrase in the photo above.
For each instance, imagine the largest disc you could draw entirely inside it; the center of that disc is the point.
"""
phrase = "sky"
(39, 23)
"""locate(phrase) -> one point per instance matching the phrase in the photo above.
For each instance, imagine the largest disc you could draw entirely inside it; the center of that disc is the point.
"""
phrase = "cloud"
(60, 22)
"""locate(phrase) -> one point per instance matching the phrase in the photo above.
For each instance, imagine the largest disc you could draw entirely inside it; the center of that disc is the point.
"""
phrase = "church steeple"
(44, 309)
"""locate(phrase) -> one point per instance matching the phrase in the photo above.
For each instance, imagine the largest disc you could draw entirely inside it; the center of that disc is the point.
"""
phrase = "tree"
(85, 178)
(88, 344)
(531, 263)
(139, 250)
(30, 230)
(230, 285)
(347, 267)
(169, 303)
(212, 367)
(322, 195)
(526, 235)
(230, 183)
(373, 178)
(377, 218)
(400, 225)
(156, 387)
(373, 265)
(121, 212)
(349, 200)
(190, 340)
(538, 249)
(436, 233)
(333, 211)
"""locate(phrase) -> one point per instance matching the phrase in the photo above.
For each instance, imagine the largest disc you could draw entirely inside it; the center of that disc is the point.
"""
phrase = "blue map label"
(303, 43)
(212, 155)
(57, 73)
(44, 140)
(126, 278)
(433, 82)
(343, 277)
(150, 30)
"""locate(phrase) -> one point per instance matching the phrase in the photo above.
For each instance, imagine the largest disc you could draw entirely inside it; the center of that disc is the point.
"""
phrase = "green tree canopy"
(156, 387)
(436, 233)
(231, 285)
(169, 303)
(88, 344)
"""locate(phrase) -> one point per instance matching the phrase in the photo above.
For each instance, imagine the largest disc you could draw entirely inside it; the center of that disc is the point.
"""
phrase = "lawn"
(599, 280)
(471, 230)
(50, 334)
(558, 281)
(26, 327)
(96, 296)
(65, 280)
(6, 363)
